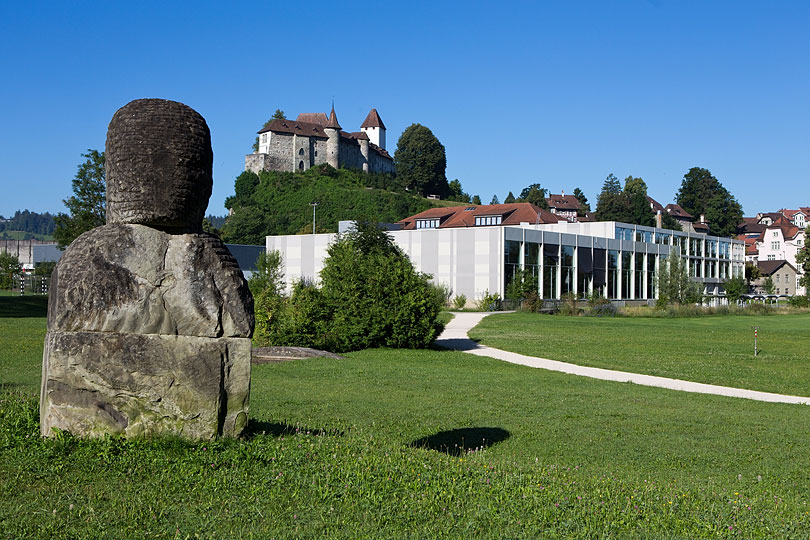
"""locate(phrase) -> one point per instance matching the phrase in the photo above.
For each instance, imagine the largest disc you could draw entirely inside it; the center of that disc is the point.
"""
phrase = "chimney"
(562, 193)
(703, 218)
(659, 220)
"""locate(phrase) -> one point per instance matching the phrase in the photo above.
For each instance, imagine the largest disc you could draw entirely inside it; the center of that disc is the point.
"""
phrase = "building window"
(300, 165)
(613, 274)
(427, 223)
(639, 282)
(771, 257)
(651, 275)
(550, 259)
(511, 261)
(775, 245)
(567, 269)
(488, 220)
(531, 260)
(264, 137)
(300, 151)
(627, 272)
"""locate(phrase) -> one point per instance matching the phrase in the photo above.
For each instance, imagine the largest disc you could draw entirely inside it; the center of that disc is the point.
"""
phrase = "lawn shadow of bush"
(456, 442)
(23, 306)
(277, 429)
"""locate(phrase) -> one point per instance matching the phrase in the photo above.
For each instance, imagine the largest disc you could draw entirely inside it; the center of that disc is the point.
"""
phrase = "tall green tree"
(735, 288)
(9, 267)
(494, 200)
(278, 115)
(457, 192)
(88, 204)
(702, 193)
(476, 200)
(510, 198)
(535, 194)
(635, 185)
(584, 205)
(420, 161)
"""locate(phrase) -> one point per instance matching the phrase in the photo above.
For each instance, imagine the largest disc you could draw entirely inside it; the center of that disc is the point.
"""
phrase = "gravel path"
(455, 337)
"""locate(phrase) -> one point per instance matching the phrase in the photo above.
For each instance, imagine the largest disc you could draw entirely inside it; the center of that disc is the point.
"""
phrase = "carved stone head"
(158, 165)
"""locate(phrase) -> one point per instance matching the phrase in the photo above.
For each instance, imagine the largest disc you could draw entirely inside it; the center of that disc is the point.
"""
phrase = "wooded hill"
(274, 202)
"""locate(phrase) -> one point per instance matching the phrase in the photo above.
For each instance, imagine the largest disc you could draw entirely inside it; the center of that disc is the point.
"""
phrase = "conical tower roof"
(333, 121)
(373, 120)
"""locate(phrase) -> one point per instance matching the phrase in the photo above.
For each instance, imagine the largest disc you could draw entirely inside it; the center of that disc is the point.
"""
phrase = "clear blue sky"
(560, 93)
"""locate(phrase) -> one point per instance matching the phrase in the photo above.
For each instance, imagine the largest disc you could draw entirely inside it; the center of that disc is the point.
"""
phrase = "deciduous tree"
(803, 262)
(88, 204)
(702, 193)
(421, 162)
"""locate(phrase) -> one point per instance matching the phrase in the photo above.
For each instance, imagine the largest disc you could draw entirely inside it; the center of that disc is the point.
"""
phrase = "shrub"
(570, 305)
(370, 296)
(9, 267)
(460, 301)
(490, 302)
(443, 292)
(799, 301)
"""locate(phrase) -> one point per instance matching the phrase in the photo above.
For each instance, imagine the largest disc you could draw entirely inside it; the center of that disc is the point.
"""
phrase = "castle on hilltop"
(314, 138)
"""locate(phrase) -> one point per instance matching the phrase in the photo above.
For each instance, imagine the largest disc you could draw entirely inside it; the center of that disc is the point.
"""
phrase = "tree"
(88, 205)
(673, 283)
(510, 198)
(457, 193)
(534, 194)
(803, 262)
(494, 200)
(9, 267)
(269, 274)
(735, 288)
(476, 200)
(584, 206)
(701, 193)
(421, 162)
(247, 225)
(278, 115)
(752, 272)
(635, 185)
(767, 285)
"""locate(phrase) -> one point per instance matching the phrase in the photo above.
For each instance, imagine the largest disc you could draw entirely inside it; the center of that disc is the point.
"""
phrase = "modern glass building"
(616, 260)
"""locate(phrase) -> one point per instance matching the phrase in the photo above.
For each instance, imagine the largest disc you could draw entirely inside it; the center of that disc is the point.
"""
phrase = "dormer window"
(427, 223)
(488, 220)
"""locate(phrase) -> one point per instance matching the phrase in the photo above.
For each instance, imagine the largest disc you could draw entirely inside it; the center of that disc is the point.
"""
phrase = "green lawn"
(715, 349)
(366, 448)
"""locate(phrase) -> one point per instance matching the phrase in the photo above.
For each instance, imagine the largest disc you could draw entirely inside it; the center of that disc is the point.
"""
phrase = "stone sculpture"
(149, 318)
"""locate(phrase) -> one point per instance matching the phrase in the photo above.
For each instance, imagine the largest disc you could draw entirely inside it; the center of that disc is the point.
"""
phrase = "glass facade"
(627, 273)
(511, 261)
(566, 269)
(551, 256)
(613, 274)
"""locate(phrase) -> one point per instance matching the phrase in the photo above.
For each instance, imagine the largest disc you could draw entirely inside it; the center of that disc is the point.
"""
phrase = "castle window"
(300, 151)
(300, 165)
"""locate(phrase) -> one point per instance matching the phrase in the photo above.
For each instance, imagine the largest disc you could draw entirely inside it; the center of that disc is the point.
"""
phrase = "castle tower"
(375, 129)
(332, 130)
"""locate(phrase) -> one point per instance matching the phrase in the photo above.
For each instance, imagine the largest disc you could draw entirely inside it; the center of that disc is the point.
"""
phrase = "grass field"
(715, 350)
(368, 447)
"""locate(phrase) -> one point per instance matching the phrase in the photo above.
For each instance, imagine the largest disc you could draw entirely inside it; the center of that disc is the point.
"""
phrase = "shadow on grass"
(456, 442)
(276, 429)
(23, 306)
(458, 344)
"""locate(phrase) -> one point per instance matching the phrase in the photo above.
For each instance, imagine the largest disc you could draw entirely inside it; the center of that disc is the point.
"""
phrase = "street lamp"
(313, 205)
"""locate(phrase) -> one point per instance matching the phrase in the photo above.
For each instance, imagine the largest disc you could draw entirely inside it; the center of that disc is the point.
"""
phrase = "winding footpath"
(455, 337)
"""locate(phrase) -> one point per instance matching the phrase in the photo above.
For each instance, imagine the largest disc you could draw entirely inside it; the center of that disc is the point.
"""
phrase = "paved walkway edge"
(455, 337)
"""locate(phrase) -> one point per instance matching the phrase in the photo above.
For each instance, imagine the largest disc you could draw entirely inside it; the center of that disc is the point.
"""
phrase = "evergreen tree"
(88, 205)
(510, 198)
(476, 200)
(584, 206)
(494, 200)
(673, 283)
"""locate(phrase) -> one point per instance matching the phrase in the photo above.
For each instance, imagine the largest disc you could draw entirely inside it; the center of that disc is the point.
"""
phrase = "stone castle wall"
(287, 153)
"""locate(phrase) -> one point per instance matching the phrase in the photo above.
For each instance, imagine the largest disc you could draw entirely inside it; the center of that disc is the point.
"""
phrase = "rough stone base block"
(97, 383)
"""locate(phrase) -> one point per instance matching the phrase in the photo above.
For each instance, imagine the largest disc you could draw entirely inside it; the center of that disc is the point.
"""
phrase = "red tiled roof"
(464, 216)
(789, 231)
(700, 227)
(333, 121)
(308, 129)
(563, 202)
(372, 120)
(655, 205)
(313, 118)
(677, 212)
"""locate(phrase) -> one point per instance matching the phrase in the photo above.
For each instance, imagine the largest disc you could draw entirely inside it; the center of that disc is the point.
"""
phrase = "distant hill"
(276, 202)
(40, 226)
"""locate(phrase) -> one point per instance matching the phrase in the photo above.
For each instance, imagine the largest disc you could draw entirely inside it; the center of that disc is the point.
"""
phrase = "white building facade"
(616, 260)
